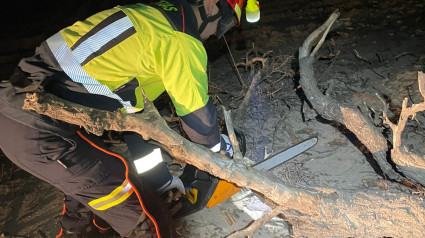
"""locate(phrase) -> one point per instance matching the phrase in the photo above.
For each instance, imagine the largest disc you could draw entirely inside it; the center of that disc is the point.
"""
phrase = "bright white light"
(253, 16)
(252, 11)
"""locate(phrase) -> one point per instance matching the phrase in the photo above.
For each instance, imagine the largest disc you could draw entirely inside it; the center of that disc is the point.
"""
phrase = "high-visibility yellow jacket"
(134, 46)
(107, 60)
(117, 53)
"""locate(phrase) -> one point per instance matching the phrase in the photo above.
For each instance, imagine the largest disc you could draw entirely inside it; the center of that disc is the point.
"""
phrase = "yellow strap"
(114, 198)
(192, 195)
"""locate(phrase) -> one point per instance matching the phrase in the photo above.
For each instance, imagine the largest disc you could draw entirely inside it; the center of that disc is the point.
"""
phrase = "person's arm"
(183, 65)
(202, 126)
(147, 159)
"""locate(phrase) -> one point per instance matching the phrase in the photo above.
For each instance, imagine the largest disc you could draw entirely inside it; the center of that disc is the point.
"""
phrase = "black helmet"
(229, 11)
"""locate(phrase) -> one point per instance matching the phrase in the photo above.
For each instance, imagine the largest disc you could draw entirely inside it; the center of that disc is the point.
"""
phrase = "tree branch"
(314, 212)
(237, 155)
(401, 154)
(150, 125)
(242, 107)
(334, 110)
(255, 225)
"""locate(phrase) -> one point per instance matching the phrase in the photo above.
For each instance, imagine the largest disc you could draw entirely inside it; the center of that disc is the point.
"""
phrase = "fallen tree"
(333, 110)
(410, 164)
(323, 211)
(316, 212)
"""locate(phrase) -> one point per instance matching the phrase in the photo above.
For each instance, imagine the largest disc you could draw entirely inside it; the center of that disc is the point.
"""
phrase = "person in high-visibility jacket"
(105, 62)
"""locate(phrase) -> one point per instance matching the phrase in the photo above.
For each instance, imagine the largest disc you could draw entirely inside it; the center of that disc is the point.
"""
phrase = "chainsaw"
(206, 190)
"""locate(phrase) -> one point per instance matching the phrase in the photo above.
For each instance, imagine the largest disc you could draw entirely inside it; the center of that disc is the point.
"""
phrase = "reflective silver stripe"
(101, 38)
(73, 69)
(148, 161)
(216, 148)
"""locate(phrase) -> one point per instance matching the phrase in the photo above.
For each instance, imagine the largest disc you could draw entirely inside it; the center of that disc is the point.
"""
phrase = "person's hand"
(227, 148)
(174, 182)
(226, 145)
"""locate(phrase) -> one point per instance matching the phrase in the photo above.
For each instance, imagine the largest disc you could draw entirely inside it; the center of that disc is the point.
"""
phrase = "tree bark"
(411, 164)
(150, 125)
(317, 212)
(365, 204)
(333, 110)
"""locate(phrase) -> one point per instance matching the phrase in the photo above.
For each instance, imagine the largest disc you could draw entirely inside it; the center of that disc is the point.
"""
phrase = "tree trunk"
(330, 109)
(362, 126)
(317, 212)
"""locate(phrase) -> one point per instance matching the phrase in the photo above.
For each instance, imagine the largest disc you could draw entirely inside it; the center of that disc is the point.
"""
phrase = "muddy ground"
(377, 48)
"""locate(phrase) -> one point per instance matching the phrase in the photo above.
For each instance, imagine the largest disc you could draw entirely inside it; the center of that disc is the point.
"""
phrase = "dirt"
(377, 48)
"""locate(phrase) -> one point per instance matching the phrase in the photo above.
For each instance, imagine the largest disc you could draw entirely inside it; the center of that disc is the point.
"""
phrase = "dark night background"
(379, 30)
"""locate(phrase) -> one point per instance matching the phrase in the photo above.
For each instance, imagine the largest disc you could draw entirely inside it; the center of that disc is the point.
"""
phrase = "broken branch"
(255, 225)
(311, 212)
(237, 155)
(333, 110)
(242, 107)
(401, 154)
(150, 125)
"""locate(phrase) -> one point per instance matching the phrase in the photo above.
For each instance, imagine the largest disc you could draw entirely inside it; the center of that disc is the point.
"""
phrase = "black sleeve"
(158, 175)
(202, 125)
